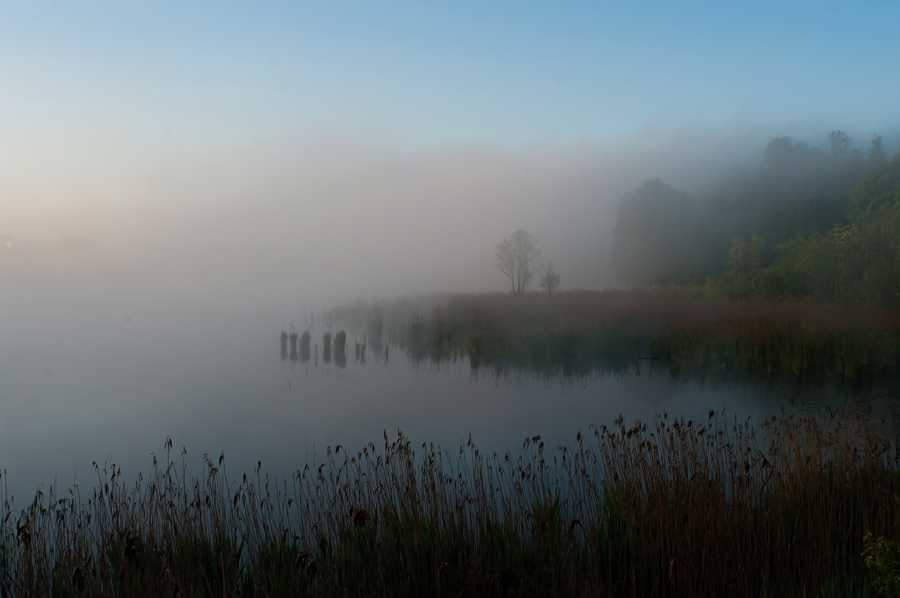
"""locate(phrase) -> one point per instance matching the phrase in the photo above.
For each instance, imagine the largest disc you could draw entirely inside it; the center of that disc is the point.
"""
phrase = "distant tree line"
(815, 223)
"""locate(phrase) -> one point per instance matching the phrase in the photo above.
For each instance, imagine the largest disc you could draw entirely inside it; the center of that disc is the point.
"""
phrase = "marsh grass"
(673, 508)
(578, 332)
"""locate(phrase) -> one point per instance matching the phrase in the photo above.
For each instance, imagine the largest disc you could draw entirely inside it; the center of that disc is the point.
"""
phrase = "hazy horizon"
(342, 219)
(333, 152)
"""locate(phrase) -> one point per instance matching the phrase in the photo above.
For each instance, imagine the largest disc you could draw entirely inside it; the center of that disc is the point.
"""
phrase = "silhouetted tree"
(840, 143)
(550, 279)
(514, 257)
(877, 155)
(653, 237)
(506, 261)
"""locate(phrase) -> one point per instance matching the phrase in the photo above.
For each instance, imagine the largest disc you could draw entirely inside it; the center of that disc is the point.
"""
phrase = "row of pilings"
(301, 348)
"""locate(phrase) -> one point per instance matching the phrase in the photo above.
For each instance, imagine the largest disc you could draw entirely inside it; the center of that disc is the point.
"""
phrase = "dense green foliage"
(810, 224)
(674, 508)
(652, 238)
(880, 557)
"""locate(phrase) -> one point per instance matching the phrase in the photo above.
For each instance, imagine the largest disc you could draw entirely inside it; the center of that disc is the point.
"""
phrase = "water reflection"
(572, 367)
(375, 347)
(210, 380)
(304, 347)
(340, 349)
(806, 386)
(284, 345)
(293, 345)
(326, 347)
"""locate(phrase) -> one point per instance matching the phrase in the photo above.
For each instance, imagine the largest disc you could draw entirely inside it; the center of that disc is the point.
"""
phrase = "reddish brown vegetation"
(579, 325)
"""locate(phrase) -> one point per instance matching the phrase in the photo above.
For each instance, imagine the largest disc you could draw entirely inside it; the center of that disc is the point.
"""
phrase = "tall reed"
(670, 508)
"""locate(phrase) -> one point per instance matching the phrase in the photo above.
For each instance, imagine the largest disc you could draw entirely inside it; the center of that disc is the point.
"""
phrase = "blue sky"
(198, 75)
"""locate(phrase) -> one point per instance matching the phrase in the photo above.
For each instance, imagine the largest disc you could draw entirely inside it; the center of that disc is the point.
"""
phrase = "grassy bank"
(581, 331)
(674, 508)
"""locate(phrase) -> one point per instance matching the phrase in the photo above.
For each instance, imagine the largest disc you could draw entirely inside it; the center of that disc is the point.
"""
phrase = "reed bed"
(670, 508)
(579, 331)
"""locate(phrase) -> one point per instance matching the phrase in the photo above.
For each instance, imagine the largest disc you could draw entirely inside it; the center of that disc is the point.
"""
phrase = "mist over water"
(495, 237)
(91, 381)
(329, 221)
(154, 309)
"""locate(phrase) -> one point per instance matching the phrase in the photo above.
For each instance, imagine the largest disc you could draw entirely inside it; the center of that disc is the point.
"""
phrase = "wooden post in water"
(326, 347)
(293, 344)
(284, 345)
(340, 349)
(304, 346)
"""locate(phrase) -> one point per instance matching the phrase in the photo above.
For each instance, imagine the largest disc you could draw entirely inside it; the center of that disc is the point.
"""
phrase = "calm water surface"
(80, 384)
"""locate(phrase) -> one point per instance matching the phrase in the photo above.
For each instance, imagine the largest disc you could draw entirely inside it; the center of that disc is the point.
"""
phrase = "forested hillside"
(811, 223)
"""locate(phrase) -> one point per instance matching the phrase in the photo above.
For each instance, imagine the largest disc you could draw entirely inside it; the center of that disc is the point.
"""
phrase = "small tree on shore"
(514, 257)
(550, 279)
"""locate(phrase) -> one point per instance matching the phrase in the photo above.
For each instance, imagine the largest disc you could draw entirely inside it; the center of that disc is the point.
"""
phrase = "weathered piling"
(304, 347)
(326, 347)
(340, 349)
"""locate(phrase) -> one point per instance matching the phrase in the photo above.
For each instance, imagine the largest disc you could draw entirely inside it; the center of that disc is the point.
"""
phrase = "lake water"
(80, 383)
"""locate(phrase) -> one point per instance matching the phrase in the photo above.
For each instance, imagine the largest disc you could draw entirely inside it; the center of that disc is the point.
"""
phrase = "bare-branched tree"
(506, 261)
(550, 279)
(514, 257)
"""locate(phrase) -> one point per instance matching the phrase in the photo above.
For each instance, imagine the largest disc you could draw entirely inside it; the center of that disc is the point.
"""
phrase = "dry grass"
(674, 508)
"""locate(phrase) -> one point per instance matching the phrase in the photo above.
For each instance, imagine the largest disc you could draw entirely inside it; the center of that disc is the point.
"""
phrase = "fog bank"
(337, 218)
